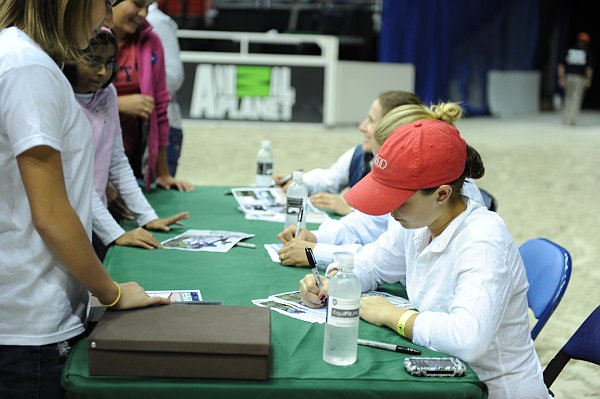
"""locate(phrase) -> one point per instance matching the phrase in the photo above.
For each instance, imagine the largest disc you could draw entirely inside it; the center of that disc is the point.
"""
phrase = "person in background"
(575, 74)
(143, 95)
(91, 81)
(325, 185)
(353, 231)
(461, 268)
(166, 28)
(47, 264)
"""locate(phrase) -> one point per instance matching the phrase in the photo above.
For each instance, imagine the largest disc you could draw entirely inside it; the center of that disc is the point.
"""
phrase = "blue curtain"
(453, 44)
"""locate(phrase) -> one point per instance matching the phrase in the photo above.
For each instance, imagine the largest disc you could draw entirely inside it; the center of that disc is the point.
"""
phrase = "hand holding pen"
(299, 220)
(315, 272)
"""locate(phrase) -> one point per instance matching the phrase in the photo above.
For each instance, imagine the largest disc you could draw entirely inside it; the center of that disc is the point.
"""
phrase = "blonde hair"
(55, 25)
(450, 112)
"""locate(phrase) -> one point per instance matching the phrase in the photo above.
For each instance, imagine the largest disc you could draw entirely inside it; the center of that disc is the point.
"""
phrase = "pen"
(389, 347)
(198, 303)
(313, 263)
(299, 221)
(315, 271)
(245, 245)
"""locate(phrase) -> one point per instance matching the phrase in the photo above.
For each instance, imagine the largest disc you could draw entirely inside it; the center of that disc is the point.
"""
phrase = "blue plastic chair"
(548, 267)
(489, 200)
(583, 345)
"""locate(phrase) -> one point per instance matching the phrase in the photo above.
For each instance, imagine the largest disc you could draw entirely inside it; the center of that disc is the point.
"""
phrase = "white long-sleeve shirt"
(470, 287)
(166, 28)
(331, 180)
(356, 229)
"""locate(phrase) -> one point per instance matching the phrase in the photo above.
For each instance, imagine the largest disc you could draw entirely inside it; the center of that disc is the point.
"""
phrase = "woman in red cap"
(457, 260)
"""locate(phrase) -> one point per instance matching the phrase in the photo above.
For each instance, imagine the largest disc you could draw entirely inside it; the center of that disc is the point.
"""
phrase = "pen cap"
(344, 260)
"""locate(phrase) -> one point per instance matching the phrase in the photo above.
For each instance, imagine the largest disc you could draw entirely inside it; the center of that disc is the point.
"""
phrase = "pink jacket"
(153, 82)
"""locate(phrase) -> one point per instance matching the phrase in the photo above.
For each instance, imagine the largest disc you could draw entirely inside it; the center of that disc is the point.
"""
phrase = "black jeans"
(33, 372)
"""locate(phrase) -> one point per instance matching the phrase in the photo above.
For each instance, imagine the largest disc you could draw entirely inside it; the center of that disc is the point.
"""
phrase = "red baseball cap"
(418, 155)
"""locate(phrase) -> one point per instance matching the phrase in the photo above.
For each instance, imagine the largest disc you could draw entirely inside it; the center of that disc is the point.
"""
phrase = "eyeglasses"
(113, 3)
(96, 64)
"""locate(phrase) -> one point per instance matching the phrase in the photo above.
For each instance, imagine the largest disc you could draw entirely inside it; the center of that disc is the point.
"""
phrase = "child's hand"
(138, 238)
(136, 105)
(163, 224)
(167, 182)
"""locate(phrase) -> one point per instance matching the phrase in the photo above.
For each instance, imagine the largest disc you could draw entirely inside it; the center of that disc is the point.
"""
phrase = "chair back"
(548, 267)
(584, 344)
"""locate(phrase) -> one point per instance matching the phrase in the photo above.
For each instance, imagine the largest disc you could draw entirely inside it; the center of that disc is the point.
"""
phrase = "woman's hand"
(139, 237)
(379, 311)
(311, 295)
(293, 253)
(133, 296)
(331, 202)
(163, 224)
(289, 233)
(167, 182)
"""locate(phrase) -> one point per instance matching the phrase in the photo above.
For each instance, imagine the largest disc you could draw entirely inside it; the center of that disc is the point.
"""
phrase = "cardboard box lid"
(239, 330)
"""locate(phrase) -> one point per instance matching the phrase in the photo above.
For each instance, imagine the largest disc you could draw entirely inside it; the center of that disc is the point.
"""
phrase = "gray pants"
(574, 94)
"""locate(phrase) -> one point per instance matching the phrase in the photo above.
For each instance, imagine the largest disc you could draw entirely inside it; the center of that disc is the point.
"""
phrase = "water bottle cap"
(266, 143)
(297, 175)
(344, 260)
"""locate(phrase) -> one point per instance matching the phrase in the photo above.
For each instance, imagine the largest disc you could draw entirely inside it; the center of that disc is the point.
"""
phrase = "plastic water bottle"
(264, 165)
(341, 329)
(297, 193)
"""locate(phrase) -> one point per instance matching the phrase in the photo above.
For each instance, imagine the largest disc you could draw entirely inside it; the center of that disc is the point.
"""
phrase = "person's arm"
(486, 274)
(561, 75)
(589, 74)
(332, 179)
(166, 29)
(59, 226)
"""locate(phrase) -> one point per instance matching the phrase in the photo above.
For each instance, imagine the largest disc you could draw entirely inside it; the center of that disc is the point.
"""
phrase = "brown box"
(192, 341)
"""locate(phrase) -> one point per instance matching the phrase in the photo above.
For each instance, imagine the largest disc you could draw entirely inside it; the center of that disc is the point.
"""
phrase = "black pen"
(315, 271)
(389, 347)
(197, 303)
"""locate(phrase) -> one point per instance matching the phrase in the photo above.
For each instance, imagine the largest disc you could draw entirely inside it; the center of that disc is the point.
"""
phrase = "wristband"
(402, 321)
(118, 296)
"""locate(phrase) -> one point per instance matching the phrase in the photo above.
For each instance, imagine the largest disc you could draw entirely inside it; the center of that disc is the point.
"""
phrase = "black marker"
(389, 347)
(198, 303)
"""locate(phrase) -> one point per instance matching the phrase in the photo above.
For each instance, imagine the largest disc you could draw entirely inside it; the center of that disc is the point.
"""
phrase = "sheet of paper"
(272, 251)
(205, 240)
(290, 304)
(178, 295)
(268, 204)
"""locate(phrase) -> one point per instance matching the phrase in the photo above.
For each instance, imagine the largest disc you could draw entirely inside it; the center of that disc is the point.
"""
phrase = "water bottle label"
(343, 312)
(264, 168)
(293, 205)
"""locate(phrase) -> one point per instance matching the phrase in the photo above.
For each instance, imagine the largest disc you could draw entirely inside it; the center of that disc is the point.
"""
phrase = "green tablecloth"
(237, 277)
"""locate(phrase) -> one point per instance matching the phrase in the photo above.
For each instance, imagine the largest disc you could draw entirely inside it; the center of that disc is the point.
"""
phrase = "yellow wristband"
(118, 296)
(402, 321)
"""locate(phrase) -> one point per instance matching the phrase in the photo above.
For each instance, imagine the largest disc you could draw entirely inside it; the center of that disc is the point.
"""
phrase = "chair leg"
(554, 368)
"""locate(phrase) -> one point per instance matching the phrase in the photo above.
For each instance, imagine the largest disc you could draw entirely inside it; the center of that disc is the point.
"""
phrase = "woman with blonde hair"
(47, 263)
(351, 232)
(461, 268)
